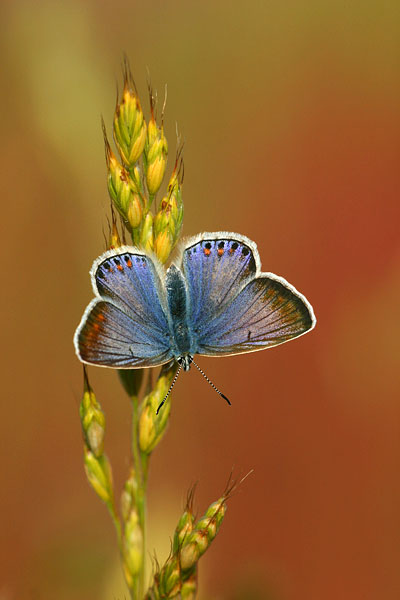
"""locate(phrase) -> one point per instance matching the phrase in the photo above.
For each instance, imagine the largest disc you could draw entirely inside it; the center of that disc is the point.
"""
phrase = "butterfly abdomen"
(181, 336)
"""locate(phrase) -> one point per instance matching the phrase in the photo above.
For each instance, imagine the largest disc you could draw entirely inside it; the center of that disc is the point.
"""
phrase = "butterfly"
(212, 301)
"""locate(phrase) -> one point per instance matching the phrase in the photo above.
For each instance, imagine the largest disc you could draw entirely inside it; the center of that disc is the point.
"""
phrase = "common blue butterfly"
(213, 301)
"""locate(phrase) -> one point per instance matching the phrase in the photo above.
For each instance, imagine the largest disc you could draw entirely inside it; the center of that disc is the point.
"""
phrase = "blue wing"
(234, 308)
(125, 325)
(216, 266)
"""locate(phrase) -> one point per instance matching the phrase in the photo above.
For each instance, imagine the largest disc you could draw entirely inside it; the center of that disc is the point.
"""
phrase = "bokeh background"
(290, 116)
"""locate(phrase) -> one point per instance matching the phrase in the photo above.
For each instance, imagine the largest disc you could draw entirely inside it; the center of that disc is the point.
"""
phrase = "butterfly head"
(185, 361)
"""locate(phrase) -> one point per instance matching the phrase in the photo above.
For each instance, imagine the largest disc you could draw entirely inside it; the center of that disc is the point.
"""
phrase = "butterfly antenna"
(211, 383)
(170, 388)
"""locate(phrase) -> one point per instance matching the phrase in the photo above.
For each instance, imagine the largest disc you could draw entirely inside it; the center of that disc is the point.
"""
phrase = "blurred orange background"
(289, 112)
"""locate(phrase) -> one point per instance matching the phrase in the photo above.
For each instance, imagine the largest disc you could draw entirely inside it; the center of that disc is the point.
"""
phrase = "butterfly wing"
(234, 308)
(125, 326)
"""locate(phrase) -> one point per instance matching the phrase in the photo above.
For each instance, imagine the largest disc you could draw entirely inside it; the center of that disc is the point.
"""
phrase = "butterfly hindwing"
(108, 337)
(126, 325)
(267, 312)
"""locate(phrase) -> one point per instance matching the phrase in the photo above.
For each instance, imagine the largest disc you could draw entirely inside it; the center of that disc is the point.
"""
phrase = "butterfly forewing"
(216, 268)
(126, 326)
(131, 282)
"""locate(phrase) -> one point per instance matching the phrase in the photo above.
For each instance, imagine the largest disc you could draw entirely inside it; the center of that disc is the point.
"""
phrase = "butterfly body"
(214, 301)
(183, 340)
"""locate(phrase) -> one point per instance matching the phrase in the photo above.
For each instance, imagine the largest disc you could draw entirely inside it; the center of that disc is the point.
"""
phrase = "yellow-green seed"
(92, 420)
(189, 556)
(129, 495)
(147, 429)
(155, 174)
(146, 234)
(170, 578)
(135, 211)
(98, 472)
(133, 545)
(152, 426)
(163, 245)
(183, 530)
(189, 588)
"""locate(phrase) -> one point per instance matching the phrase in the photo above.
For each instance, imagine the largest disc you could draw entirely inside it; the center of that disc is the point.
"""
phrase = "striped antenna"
(210, 382)
(170, 388)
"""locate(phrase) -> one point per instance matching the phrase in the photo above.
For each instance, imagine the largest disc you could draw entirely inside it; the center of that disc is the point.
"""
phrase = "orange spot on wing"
(101, 317)
(120, 267)
(207, 252)
(220, 251)
(129, 263)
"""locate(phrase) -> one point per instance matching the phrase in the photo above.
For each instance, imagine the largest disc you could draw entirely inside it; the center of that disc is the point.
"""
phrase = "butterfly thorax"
(182, 340)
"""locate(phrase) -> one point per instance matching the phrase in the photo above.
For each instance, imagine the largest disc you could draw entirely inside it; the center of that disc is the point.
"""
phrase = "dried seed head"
(185, 524)
(203, 534)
